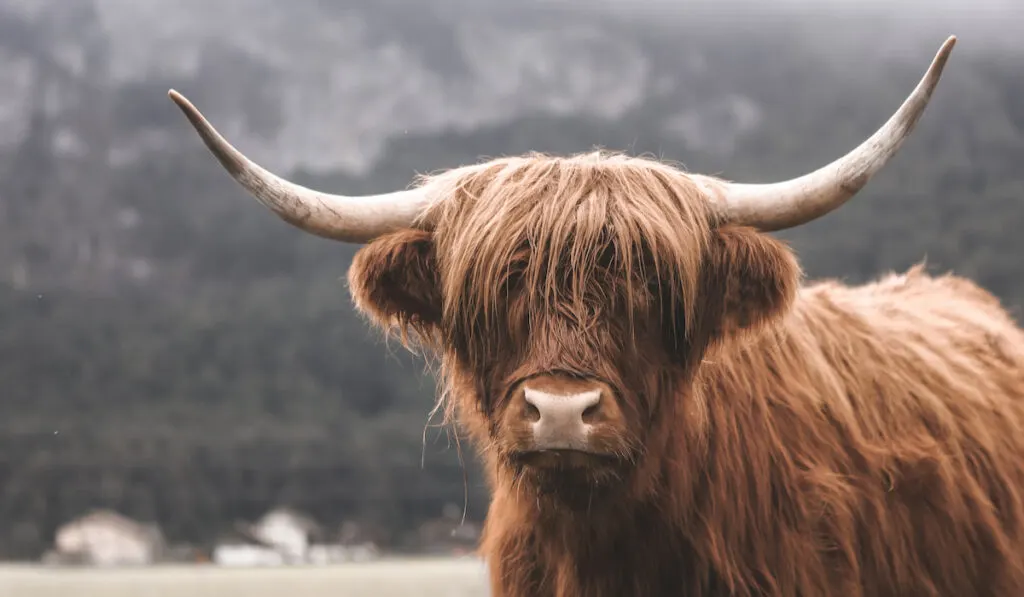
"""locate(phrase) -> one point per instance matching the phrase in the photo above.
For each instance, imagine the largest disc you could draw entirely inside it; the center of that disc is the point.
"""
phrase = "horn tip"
(191, 112)
(939, 62)
(947, 47)
(178, 98)
(221, 149)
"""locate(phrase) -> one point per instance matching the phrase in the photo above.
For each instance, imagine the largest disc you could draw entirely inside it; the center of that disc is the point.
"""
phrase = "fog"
(915, 25)
(175, 353)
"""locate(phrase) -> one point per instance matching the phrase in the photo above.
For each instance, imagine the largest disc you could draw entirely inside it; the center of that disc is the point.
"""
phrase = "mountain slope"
(172, 350)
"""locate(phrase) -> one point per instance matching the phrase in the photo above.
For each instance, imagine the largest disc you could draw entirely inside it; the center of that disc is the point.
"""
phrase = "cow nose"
(562, 421)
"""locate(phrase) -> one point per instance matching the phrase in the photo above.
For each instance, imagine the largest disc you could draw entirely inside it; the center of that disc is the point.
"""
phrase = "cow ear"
(394, 281)
(750, 279)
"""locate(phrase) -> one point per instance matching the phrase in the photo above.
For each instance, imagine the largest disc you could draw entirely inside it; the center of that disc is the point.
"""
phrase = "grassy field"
(402, 578)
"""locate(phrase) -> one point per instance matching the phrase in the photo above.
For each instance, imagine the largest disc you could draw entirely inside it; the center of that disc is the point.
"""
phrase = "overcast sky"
(980, 25)
(929, 6)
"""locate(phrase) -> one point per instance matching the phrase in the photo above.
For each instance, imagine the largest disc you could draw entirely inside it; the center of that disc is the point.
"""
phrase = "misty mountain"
(173, 351)
(327, 89)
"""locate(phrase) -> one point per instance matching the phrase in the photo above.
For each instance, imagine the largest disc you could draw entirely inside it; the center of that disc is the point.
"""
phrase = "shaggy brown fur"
(773, 439)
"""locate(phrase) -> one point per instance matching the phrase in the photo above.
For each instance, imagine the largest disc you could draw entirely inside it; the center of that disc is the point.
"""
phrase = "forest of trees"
(171, 350)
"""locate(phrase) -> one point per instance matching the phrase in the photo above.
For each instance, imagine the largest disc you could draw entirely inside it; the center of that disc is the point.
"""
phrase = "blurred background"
(182, 376)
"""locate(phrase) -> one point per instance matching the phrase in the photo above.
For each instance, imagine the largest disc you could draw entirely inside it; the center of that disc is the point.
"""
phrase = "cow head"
(568, 298)
(572, 298)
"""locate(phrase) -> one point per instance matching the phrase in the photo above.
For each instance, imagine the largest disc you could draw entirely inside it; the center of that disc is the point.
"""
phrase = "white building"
(246, 555)
(106, 538)
(287, 531)
(285, 537)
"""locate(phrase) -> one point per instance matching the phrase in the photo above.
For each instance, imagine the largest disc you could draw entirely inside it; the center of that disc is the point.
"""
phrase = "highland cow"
(663, 407)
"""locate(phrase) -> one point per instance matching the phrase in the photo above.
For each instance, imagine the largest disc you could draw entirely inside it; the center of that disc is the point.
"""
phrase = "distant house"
(106, 538)
(285, 537)
(239, 552)
(237, 547)
(287, 531)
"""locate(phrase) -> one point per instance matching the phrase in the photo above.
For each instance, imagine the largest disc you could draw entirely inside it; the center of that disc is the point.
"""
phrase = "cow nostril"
(532, 412)
(590, 412)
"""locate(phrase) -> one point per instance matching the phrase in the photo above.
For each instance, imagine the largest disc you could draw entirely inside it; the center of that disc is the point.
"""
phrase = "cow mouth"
(563, 458)
(575, 478)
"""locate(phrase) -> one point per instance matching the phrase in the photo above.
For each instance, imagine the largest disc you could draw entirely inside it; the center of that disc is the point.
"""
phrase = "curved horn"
(337, 217)
(793, 202)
